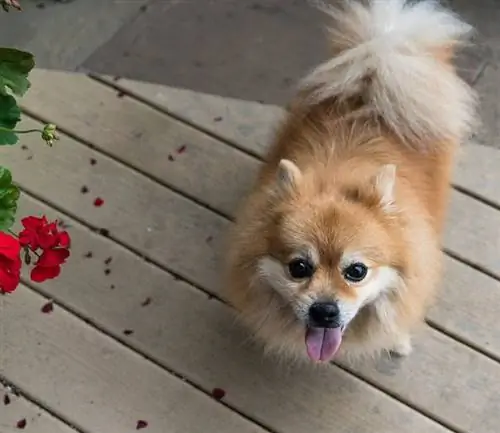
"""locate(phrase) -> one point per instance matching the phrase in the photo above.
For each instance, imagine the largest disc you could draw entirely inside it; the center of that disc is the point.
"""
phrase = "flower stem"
(27, 246)
(17, 131)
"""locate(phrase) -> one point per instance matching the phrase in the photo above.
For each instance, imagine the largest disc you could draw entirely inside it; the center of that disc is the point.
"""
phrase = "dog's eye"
(355, 272)
(300, 269)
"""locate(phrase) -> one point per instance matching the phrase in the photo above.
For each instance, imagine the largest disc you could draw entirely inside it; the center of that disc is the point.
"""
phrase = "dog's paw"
(402, 347)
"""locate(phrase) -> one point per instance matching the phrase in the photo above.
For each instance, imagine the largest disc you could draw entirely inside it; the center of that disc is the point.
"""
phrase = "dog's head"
(333, 248)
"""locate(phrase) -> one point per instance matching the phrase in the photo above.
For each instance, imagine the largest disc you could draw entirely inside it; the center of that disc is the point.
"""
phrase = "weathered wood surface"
(169, 192)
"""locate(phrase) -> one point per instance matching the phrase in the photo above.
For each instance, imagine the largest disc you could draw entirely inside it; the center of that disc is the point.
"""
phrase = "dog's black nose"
(324, 315)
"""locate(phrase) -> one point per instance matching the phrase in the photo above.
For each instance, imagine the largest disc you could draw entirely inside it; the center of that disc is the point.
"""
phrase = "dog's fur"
(359, 171)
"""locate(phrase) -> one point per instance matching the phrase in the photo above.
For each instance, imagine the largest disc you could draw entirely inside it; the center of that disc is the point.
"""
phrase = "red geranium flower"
(39, 233)
(10, 263)
(49, 264)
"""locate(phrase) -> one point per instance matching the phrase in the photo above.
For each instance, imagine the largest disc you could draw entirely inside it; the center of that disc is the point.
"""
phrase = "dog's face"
(331, 252)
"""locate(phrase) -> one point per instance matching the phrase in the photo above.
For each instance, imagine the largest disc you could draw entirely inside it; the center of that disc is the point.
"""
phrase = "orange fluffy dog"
(338, 245)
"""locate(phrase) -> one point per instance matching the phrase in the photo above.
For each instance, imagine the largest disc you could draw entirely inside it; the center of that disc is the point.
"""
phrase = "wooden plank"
(19, 409)
(226, 173)
(170, 220)
(166, 333)
(473, 232)
(467, 307)
(176, 154)
(97, 383)
(210, 350)
(114, 171)
(247, 124)
(141, 213)
(477, 167)
(477, 171)
(187, 218)
(445, 381)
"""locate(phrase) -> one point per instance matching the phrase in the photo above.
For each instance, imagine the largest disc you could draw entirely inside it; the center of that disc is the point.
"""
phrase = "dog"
(336, 250)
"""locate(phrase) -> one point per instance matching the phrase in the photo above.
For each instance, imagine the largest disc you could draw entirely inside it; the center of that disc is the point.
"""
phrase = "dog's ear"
(288, 177)
(385, 183)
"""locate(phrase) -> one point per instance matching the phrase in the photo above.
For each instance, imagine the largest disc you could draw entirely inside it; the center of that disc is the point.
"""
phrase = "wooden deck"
(102, 360)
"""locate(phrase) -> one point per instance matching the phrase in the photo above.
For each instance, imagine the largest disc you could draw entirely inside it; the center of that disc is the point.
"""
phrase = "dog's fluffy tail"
(395, 57)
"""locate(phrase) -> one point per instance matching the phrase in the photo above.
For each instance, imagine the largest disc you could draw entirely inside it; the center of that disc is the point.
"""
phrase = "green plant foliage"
(10, 115)
(9, 195)
(15, 65)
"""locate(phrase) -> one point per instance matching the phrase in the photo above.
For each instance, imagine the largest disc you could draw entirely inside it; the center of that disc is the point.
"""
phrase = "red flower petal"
(47, 239)
(64, 240)
(33, 222)
(39, 233)
(10, 273)
(98, 202)
(28, 238)
(53, 257)
(40, 274)
(47, 308)
(218, 393)
(9, 246)
(141, 424)
(21, 424)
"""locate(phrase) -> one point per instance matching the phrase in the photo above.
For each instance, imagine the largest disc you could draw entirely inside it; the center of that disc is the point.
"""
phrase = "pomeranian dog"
(337, 248)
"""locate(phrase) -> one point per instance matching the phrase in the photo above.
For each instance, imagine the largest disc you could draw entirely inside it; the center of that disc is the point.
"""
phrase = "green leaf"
(7, 219)
(10, 115)
(9, 195)
(5, 178)
(15, 65)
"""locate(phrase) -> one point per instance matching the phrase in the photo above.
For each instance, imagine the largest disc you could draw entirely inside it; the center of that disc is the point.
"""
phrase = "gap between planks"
(32, 409)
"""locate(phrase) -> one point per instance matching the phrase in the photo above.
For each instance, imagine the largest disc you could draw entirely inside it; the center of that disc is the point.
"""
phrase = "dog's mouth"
(323, 343)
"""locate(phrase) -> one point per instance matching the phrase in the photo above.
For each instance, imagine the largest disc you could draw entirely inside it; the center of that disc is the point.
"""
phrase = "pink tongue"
(323, 343)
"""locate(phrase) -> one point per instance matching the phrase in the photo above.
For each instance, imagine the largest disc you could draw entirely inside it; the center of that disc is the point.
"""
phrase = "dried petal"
(141, 424)
(218, 393)
(181, 149)
(48, 308)
(21, 424)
